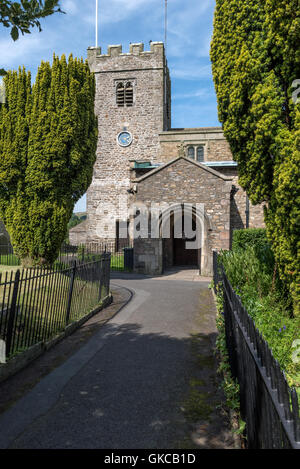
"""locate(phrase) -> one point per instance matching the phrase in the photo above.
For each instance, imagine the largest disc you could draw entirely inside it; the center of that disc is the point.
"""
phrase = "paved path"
(146, 379)
(188, 274)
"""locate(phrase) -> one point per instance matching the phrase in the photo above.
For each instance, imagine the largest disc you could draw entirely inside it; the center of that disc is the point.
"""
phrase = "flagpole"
(96, 23)
(166, 38)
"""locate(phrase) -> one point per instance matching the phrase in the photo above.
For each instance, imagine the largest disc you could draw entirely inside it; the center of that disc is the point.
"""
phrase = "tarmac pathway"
(145, 379)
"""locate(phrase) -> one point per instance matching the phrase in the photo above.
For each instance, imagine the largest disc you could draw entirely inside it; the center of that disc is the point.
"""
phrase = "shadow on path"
(141, 390)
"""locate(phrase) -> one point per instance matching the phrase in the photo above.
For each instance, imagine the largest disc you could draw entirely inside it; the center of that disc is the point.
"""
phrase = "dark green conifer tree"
(48, 138)
(256, 58)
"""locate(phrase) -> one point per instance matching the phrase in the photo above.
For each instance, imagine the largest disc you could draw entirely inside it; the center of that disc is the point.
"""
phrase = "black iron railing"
(7, 256)
(121, 254)
(268, 406)
(121, 257)
(35, 304)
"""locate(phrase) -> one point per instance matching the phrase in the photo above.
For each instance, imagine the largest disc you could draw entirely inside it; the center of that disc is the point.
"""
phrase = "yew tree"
(48, 138)
(255, 57)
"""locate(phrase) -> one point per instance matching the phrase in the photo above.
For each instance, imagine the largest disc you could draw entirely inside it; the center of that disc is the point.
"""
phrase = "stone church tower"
(142, 161)
(133, 106)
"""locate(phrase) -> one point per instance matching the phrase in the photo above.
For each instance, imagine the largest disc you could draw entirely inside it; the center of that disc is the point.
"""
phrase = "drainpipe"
(247, 211)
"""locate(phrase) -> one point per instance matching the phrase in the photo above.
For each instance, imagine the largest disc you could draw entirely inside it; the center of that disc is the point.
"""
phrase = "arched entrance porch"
(184, 239)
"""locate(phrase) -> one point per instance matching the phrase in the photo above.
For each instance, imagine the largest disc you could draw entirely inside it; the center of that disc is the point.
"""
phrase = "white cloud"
(200, 93)
(189, 115)
(191, 71)
(24, 48)
(189, 31)
(69, 7)
(115, 11)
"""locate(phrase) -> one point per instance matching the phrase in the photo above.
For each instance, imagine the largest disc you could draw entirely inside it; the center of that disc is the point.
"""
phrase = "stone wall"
(78, 234)
(148, 256)
(184, 181)
(216, 147)
(238, 205)
(144, 120)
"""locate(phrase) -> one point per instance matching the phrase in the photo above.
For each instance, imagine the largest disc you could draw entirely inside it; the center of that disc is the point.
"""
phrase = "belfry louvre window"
(129, 94)
(124, 94)
(120, 95)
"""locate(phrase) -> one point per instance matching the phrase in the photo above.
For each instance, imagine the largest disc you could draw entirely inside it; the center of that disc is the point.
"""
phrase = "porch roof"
(188, 160)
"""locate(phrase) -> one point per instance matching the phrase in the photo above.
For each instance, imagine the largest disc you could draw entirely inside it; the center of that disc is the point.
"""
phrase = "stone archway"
(179, 249)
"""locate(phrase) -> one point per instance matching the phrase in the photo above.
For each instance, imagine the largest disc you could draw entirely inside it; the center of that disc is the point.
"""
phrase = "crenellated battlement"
(135, 49)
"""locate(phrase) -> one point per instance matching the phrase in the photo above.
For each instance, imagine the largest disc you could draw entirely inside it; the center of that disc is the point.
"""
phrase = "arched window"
(200, 154)
(124, 93)
(191, 153)
(120, 95)
(129, 94)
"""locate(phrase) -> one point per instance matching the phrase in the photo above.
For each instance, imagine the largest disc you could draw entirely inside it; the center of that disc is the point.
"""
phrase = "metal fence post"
(12, 314)
(108, 271)
(101, 278)
(70, 293)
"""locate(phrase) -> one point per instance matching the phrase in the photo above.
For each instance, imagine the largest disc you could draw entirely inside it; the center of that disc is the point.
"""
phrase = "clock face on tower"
(124, 139)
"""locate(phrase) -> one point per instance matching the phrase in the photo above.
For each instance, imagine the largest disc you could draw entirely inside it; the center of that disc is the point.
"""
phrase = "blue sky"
(190, 25)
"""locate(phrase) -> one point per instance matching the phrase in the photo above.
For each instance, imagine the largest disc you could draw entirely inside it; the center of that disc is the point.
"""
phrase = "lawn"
(9, 260)
(117, 261)
(9, 268)
(42, 302)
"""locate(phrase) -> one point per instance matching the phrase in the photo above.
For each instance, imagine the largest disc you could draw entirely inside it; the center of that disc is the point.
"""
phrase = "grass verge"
(228, 384)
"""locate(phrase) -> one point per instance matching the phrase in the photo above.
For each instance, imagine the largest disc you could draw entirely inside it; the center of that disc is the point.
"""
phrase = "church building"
(143, 161)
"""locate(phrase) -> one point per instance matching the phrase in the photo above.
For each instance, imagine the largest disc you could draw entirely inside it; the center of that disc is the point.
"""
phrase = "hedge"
(254, 237)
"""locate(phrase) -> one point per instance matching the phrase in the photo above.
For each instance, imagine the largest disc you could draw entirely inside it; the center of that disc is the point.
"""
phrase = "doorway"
(183, 256)
(176, 249)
